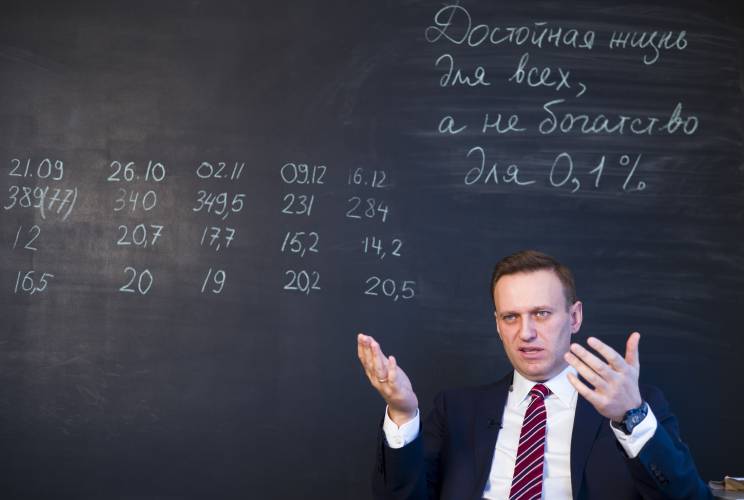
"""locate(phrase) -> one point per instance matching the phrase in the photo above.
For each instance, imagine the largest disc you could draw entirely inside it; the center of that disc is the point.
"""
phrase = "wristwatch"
(631, 418)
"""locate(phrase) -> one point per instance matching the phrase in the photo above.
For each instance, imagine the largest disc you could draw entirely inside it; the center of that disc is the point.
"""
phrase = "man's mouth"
(531, 352)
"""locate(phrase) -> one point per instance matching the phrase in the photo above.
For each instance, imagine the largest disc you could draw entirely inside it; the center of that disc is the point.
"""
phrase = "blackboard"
(204, 202)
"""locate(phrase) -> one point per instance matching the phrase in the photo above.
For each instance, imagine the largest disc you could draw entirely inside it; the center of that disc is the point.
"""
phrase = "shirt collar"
(559, 386)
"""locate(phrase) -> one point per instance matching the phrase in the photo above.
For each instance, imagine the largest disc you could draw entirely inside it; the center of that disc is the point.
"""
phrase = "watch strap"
(631, 418)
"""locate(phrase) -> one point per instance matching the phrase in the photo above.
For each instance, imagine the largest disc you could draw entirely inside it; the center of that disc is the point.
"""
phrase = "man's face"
(534, 323)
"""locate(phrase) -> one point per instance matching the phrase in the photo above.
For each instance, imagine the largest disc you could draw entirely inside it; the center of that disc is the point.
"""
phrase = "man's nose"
(527, 328)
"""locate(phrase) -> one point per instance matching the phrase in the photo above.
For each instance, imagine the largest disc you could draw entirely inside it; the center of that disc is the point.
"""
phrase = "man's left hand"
(615, 381)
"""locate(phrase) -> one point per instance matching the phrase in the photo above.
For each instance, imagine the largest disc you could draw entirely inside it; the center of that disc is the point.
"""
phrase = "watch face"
(635, 416)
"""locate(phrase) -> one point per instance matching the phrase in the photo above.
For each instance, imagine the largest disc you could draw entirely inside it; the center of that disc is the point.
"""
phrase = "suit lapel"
(586, 426)
(486, 426)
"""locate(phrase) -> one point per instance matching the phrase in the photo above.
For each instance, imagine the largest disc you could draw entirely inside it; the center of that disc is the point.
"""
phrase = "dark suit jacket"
(451, 459)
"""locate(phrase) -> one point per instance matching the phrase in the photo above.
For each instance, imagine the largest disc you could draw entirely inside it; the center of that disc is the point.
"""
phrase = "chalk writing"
(447, 126)
(387, 287)
(30, 236)
(293, 173)
(43, 198)
(600, 123)
(221, 204)
(45, 169)
(360, 176)
(298, 204)
(300, 242)
(454, 24)
(476, 174)
(29, 282)
(454, 76)
(143, 279)
(380, 247)
(141, 235)
(220, 170)
(562, 173)
(214, 281)
(136, 200)
(302, 281)
(533, 76)
(217, 237)
(510, 126)
(127, 172)
(369, 208)
(646, 40)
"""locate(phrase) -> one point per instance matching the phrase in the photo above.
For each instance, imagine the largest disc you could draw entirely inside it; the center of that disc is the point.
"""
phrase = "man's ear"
(496, 317)
(576, 311)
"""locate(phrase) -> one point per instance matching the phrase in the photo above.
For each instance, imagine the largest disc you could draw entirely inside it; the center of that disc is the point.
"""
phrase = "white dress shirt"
(560, 406)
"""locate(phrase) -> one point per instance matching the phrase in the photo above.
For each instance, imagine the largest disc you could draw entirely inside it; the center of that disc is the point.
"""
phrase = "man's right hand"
(389, 379)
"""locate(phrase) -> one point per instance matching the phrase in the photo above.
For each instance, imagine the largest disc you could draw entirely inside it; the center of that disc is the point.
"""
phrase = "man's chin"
(534, 372)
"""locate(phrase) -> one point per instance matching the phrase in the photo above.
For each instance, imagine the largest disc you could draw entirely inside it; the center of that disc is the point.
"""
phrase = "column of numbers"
(135, 202)
(222, 201)
(36, 185)
(369, 206)
(302, 241)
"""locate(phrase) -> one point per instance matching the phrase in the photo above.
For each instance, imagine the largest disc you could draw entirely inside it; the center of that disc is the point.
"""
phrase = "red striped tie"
(528, 470)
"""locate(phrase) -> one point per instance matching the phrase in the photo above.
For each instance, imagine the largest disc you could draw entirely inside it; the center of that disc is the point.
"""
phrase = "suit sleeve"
(412, 472)
(664, 468)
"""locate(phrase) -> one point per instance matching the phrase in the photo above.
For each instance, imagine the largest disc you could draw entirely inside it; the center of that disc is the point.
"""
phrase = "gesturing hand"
(388, 378)
(615, 382)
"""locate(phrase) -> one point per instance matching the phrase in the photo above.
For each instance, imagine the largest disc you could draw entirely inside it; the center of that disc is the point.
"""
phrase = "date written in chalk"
(563, 173)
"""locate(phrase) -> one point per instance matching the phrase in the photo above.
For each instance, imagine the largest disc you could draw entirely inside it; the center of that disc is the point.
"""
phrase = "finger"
(611, 355)
(372, 368)
(632, 355)
(369, 358)
(392, 369)
(585, 370)
(582, 389)
(365, 339)
(360, 347)
(362, 344)
(596, 364)
(379, 362)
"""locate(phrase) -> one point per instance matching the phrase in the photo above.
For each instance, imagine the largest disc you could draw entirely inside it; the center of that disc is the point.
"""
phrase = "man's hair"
(528, 261)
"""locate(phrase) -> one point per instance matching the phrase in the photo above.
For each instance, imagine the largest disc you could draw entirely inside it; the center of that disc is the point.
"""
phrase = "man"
(530, 435)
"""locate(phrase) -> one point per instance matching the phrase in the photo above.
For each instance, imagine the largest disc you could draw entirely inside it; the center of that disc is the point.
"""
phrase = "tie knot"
(539, 391)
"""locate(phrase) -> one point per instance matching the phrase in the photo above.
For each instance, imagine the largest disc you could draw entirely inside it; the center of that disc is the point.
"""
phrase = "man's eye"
(542, 314)
(508, 317)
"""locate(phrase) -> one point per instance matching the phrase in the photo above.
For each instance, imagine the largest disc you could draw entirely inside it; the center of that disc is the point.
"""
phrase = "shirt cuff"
(398, 437)
(633, 442)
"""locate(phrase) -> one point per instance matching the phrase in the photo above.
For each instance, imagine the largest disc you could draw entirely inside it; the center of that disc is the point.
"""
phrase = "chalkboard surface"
(204, 202)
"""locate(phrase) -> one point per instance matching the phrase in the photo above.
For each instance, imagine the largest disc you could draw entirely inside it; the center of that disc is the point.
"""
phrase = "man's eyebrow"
(542, 308)
(531, 310)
